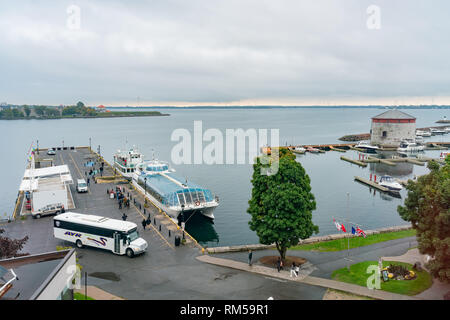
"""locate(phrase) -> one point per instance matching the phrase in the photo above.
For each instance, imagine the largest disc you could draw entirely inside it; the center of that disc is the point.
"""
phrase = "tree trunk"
(281, 250)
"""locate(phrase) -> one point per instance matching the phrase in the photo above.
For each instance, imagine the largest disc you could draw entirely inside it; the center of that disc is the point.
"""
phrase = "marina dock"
(371, 184)
(359, 163)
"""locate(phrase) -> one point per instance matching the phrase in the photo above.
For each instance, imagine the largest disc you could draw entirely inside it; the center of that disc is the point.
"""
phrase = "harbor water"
(336, 192)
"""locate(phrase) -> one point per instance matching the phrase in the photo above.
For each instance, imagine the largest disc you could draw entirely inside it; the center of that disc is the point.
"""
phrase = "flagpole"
(348, 238)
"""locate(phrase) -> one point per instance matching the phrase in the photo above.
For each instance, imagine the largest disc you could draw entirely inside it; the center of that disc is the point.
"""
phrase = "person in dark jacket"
(250, 256)
(144, 223)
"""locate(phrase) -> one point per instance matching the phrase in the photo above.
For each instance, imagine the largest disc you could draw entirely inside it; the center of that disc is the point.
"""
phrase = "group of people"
(119, 195)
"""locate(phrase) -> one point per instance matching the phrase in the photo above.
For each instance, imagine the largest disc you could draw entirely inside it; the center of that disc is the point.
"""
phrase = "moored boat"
(178, 198)
(409, 146)
(390, 183)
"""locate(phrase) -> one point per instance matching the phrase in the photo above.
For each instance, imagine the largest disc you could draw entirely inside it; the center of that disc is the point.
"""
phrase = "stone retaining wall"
(247, 247)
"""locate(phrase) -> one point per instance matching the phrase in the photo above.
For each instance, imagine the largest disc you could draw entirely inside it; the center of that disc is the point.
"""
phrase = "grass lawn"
(341, 244)
(80, 296)
(358, 275)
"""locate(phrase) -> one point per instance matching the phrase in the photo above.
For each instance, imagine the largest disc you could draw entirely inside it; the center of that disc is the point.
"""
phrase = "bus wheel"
(130, 253)
(79, 244)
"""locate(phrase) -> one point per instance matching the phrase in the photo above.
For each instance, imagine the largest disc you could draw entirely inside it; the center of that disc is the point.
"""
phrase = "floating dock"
(359, 163)
(372, 184)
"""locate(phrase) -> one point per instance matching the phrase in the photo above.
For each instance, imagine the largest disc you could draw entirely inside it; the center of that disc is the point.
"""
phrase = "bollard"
(140, 206)
(375, 178)
(154, 221)
(159, 227)
(370, 177)
(144, 212)
(169, 233)
(134, 201)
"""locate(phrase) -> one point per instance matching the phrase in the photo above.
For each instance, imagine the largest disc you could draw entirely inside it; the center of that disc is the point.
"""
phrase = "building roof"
(34, 273)
(393, 114)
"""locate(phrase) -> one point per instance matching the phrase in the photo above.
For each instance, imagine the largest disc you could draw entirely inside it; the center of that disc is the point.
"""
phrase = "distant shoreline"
(101, 116)
(425, 107)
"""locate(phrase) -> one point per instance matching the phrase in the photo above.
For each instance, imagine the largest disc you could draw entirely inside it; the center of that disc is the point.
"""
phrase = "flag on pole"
(360, 232)
(353, 230)
(338, 226)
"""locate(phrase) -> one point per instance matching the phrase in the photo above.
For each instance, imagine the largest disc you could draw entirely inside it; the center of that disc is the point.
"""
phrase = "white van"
(120, 237)
(81, 186)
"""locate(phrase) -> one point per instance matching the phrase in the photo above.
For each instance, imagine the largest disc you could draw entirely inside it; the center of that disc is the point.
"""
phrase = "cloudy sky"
(225, 52)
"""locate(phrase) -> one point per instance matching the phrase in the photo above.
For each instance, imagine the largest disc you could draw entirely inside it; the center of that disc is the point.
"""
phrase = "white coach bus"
(121, 237)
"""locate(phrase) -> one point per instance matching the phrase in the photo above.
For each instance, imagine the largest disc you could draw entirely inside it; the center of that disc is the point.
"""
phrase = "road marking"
(78, 169)
(162, 237)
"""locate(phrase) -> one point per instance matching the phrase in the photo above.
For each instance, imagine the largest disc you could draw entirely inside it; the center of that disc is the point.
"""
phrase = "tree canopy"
(427, 207)
(9, 248)
(281, 204)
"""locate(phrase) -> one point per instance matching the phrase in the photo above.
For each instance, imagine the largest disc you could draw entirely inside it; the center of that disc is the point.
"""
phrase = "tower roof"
(394, 114)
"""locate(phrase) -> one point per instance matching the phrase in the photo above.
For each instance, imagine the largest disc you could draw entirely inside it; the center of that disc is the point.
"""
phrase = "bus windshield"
(133, 235)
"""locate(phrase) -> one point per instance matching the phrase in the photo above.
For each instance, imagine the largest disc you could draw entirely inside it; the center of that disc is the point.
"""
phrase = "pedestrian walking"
(279, 264)
(144, 223)
(250, 256)
(88, 180)
(120, 204)
(293, 270)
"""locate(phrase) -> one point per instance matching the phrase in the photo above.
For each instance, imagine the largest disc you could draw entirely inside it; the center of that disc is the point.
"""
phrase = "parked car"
(51, 152)
(50, 209)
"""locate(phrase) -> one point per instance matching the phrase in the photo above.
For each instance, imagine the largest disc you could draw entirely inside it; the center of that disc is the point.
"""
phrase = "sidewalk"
(98, 294)
(315, 281)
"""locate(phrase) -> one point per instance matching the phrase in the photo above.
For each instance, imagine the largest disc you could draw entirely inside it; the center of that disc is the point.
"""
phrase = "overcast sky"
(225, 52)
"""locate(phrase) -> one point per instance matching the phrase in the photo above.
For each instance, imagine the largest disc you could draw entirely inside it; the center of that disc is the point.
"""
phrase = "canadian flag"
(339, 226)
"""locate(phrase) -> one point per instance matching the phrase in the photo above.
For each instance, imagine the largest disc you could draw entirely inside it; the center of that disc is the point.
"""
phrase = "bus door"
(117, 242)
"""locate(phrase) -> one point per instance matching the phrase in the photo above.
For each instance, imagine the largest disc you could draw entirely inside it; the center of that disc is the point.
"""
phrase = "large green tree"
(281, 205)
(427, 207)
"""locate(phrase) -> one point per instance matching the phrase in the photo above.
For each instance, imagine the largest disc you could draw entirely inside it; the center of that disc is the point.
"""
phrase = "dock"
(371, 184)
(359, 163)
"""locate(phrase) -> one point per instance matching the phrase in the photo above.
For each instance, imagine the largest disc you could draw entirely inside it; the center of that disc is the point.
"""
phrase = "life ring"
(197, 203)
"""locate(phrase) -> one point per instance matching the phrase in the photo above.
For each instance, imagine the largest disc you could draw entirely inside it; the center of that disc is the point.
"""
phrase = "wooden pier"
(371, 184)
(359, 163)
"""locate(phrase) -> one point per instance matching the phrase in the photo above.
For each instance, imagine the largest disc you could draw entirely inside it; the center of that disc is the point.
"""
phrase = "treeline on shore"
(75, 111)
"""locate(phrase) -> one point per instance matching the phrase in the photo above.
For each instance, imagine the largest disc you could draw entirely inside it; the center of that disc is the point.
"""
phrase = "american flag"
(360, 232)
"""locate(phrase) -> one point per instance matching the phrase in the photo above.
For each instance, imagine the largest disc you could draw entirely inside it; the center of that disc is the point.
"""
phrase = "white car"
(51, 152)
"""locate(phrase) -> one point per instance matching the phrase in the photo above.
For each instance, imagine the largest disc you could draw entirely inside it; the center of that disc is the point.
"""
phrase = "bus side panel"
(95, 241)
(63, 234)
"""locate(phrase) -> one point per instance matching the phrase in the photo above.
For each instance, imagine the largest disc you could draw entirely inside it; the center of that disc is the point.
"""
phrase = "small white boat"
(312, 150)
(367, 147)
(409, 146)
(390, 183)
(426, 133)
(419, 133)
(300, 150)
(437, 131)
